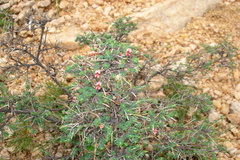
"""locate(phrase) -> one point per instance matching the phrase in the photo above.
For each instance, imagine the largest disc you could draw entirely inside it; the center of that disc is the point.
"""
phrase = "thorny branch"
(23, 55)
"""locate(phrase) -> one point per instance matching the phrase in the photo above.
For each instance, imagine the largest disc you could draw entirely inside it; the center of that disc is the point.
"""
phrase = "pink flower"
(154, 131)
(97, 73)
(74, 99)
(129, 50)
(101, 126)
(98, 85)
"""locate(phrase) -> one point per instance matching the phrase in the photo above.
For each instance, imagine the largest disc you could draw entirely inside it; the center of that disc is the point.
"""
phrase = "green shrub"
(107, 120)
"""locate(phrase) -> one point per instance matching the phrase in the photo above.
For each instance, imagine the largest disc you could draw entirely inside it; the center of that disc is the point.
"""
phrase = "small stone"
(70, 46)
(227, 3)
(64, 5)
(58, 154)
(156, 83)
(44, 3)
(97, 2)
(228, 145)
(234, 118)
(206, 90)
(217, 104)
(4, 6)
(64, 97)
(85, 4)
(213, 116)
(218, 93)
(69, 78)
(237, 87)
(192, 46)
(237, 95)
(235, 107)
(48, 136)
(157, 94)
(236, 75)
(225, 109)
(235, 132)
(5, 154)
(107, 10)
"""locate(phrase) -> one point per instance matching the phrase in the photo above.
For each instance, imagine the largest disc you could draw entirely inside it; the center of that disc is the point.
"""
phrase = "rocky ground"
(76, 16)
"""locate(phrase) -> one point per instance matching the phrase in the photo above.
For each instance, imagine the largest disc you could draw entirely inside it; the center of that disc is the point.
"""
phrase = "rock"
(64, 97)
(225, 109)
(48, 136)
(235, 131)
(59, 154)
(10, 149)
(70, 46)
(236, 75)
(180, 64)
(51, 13)
(156, 82)
(98, 2)
(237, 95)
(69, 78)
(192, 46)
(172, 15)
(157, 94)
(107, 11)
(66, 38)
(235, 107)
(217, 104)
(4, 6)
(23, 14)
(234, 118)
(5, 154)
(213, 116)
(64, 5)
(44, 3)
(85, 4)
(228, 145)
(237, 87)
(218, 93)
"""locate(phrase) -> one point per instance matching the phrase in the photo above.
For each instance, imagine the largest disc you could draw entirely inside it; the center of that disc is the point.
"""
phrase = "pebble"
(237, 95)
(44, 3)
(225, 109)
(235, 107)
(213, 116)
(5, 154)
(217, 104)
(236, 75)
(64, 5)
(217, 93)
(234, 118)
(237, 87)
(64, 97)
(48, 136)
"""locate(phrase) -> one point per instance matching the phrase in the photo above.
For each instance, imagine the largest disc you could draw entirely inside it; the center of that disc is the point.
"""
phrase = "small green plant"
(22, 139)
(107, 120)
(5, 21)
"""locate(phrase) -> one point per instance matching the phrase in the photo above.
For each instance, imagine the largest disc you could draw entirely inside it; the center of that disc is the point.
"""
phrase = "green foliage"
(107, 118)
(22, 139)
(119, 30)
(222, 53)
(108, 121)
(5, 20)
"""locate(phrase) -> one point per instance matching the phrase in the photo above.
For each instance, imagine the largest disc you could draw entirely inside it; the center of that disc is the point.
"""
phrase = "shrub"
(107, 119)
